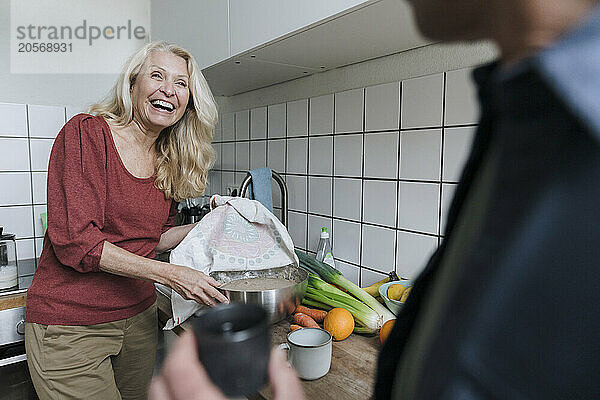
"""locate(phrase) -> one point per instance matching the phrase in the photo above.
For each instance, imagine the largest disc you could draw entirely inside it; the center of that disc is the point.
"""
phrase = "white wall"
(201, 26)
(27, 133)
(173, 22)
(76, 90)
(268, 125)
(373, 151)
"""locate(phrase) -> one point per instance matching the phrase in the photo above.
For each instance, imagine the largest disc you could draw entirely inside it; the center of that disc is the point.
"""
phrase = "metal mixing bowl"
(279, 303)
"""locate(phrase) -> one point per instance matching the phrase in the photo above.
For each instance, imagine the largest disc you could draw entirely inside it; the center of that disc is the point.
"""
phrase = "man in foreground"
(508, 305)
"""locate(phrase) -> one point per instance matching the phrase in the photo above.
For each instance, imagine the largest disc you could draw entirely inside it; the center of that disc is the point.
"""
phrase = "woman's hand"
(195, 285)
(189, 283)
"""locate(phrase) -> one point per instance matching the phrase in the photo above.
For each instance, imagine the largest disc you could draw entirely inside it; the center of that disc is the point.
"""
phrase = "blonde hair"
(184, 150)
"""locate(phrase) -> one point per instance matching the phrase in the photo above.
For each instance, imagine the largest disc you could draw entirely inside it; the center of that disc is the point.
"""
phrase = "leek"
(317, 304)
(363, 330)
(308, 268)
(323, 292)
(365, 316)
(332, 292)
(357, 328)
(335, 277)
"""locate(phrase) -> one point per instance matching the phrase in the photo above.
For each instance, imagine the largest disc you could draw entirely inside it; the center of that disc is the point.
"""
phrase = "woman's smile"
(163, 106)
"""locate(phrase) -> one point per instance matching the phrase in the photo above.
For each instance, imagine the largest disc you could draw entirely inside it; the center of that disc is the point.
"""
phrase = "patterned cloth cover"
(238, 234)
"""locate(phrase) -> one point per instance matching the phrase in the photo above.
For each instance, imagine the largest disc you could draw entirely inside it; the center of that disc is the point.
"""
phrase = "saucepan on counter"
(279, 291)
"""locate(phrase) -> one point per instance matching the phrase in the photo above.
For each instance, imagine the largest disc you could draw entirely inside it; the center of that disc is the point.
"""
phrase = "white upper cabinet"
(253, 23)
(200, 26)
(243, 45)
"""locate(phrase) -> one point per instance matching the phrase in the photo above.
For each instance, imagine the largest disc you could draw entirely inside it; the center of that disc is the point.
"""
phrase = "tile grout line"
(439, 227)
(367, 178)
(362, 193)
(234, 149)
(307, 159)
(380, 131)
(31, 181)
(285, 157)
(399, 166)
(333, 140)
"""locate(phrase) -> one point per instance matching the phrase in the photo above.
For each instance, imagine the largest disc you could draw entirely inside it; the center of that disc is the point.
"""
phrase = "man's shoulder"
(571, 68)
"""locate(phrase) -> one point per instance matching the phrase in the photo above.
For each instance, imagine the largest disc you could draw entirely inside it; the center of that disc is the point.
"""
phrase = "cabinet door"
(200, 26)
(256, 22)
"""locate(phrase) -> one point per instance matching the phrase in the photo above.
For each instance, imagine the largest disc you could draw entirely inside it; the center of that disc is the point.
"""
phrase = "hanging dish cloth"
(238, 234)
(260, 187)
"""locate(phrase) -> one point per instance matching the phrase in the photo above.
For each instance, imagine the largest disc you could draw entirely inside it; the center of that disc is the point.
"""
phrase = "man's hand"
(184, 378)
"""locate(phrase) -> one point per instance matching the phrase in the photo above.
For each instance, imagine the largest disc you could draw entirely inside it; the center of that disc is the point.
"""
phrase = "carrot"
(305, 320)
(294, 327)
(317, 315)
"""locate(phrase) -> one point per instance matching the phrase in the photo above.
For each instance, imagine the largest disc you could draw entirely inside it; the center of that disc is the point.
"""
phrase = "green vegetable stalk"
(368, 310)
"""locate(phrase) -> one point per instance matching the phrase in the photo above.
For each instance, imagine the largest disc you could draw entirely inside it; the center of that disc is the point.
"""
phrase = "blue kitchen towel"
(260, 187)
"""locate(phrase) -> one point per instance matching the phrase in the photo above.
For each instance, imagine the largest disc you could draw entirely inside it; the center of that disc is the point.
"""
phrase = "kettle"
(8, 260)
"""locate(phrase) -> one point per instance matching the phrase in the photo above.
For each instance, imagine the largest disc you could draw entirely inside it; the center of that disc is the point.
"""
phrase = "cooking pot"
(278, 303)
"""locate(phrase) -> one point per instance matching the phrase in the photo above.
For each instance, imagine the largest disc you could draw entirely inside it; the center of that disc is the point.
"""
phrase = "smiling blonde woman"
(114, 177)
(184, 151)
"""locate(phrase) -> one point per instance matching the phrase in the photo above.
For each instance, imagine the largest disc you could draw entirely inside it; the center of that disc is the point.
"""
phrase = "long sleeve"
(77, 194)
(172, 214)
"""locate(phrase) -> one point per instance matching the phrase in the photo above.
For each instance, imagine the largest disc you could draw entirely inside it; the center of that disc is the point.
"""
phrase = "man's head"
(519, 27)
(455, 20)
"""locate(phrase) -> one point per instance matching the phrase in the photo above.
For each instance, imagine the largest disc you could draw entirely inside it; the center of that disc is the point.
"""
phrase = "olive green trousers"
(113, 360)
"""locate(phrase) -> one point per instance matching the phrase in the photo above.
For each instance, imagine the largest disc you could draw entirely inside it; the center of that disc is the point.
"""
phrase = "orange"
(385, 330)
(339, 322)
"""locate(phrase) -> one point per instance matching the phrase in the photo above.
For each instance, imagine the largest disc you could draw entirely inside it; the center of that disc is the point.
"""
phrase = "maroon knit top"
(93, 198)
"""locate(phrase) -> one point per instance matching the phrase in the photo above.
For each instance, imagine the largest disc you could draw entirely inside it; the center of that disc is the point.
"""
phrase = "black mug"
(234, 346)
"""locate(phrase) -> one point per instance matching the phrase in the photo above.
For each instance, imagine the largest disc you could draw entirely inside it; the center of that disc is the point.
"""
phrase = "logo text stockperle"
(83, 31)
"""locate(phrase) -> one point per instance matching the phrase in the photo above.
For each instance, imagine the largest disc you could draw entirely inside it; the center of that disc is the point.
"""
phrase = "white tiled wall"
(377, 165)
(27, 133)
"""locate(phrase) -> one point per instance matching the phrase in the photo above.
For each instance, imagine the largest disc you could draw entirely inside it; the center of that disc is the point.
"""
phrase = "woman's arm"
(189, 283)
(173, 237)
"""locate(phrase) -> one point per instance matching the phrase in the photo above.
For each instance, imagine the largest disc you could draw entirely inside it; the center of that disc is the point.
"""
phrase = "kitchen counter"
(15, 296)
(353, 362)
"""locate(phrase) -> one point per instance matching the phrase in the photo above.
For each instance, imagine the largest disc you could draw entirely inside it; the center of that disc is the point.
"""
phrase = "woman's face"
(161, 92)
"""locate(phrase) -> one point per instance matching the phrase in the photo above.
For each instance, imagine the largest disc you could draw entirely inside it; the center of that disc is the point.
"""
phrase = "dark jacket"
(522, 319)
